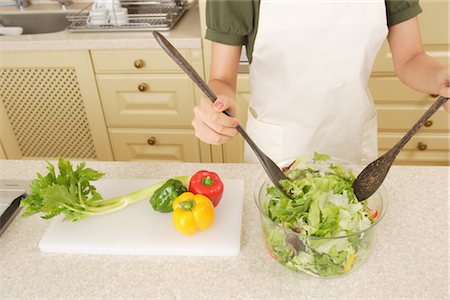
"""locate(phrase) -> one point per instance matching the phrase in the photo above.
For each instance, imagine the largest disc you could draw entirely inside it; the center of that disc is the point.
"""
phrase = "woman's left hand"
(443, 78)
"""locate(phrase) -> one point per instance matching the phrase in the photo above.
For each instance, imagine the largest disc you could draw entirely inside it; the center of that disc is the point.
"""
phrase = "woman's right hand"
(211, 125)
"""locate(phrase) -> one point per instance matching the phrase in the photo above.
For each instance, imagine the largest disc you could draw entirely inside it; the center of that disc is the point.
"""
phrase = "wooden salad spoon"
(372, 176)
(273, 171)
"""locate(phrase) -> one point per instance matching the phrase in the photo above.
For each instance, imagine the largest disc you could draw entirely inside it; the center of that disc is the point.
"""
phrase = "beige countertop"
(409, 259)
(185, 34)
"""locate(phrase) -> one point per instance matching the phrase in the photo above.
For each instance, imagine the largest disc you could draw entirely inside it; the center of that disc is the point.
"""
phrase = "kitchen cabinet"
(147, 102)
(50, 106)
(398, 107)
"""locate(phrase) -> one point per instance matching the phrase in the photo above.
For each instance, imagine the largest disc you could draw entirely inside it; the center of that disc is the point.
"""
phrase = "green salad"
(323, 229)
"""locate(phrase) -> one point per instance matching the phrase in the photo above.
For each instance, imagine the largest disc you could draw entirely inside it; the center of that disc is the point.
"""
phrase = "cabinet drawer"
(134, 144)
(126, 61)
(422, 149)
(436, 158)
(395, 117)
(424, 142)
(390, 90)
(164, 100)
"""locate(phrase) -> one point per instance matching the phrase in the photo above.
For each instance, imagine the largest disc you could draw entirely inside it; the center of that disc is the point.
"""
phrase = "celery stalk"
(71, 193)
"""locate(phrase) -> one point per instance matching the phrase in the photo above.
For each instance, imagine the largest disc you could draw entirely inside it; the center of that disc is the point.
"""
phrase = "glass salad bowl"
(324, 231)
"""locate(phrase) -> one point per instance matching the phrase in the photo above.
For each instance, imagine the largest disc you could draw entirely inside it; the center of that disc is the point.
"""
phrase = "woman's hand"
(443, 79)
(210, 123)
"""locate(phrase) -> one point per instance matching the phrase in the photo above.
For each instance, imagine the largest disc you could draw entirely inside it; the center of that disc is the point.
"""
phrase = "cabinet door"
(135, 144)
(50, 106)
(147, 100)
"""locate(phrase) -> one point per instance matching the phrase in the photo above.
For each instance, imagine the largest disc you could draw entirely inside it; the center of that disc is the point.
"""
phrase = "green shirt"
(235, 22)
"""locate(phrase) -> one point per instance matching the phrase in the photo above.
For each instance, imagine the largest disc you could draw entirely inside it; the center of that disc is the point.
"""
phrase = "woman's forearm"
(412, 65)
(224, 69)
(420, 73)
(222, 88)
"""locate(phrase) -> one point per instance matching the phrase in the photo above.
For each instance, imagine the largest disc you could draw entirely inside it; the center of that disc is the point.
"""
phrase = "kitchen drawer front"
(390, 90)
(422, 149)
(144, 61)
(164, 100)
(394, 118)
(419, 142)
(137, 144)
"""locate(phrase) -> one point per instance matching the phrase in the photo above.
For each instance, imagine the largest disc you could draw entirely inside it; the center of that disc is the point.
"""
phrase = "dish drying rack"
(143, 15)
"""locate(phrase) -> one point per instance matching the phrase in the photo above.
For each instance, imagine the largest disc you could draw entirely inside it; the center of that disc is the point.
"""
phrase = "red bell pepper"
(375, 214)
(208, 184)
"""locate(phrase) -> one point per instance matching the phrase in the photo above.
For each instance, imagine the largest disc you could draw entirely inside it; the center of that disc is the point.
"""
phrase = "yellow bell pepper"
(349, 262)
(192, 212)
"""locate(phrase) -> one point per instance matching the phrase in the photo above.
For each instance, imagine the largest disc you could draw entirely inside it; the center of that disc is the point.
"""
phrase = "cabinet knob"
(151, 141)
(142, 87)
(434, 95)
(428, 123)
(139, 63)
(422, 146)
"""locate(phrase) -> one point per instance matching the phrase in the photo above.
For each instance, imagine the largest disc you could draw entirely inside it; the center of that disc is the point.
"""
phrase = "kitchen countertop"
(409, 259)
(185, 34)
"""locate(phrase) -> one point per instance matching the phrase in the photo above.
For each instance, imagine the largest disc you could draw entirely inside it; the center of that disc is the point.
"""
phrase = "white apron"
(311, 64)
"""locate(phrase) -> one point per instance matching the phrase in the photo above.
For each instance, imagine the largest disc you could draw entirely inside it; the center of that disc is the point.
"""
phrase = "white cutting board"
(139, 230)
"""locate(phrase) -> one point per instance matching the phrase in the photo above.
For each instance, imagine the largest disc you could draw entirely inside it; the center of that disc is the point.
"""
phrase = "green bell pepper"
(163, 197)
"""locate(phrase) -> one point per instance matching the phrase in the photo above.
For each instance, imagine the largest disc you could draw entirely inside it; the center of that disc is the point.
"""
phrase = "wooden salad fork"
(273, 171)
(372, 176)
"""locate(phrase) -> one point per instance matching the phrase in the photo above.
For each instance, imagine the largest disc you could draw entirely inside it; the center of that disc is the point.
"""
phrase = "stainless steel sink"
(36, 22)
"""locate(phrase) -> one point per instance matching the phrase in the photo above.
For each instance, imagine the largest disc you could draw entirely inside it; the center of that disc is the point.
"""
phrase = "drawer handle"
(428, 123)
(151, 141)
(422, 146)
(142, 87)
(139, 63)
(434, 95)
